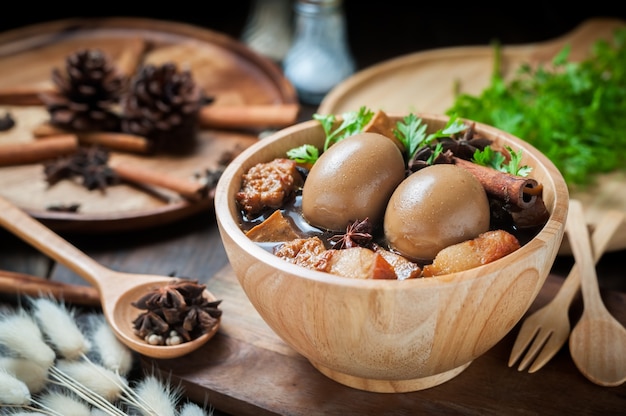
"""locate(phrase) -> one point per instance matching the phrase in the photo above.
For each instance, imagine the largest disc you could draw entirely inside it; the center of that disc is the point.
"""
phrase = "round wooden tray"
(425, 82)
(226, 69)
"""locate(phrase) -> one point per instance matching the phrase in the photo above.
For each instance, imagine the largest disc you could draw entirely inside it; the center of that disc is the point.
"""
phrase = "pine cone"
(88, 91)
(163, 105)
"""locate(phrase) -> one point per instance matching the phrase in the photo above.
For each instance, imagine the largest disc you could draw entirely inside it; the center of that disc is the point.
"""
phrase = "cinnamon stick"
(24, 94)
(516, 190)
(131, 56)
(38, 150)
(248, 116)
(186, 188)
(115, 141)
(24, 284)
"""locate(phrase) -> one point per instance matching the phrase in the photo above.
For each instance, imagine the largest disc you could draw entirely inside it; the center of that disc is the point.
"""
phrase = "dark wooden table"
(274, 380)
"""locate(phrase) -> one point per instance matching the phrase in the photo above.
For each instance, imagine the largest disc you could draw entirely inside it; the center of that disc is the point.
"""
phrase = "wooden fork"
(548, 328)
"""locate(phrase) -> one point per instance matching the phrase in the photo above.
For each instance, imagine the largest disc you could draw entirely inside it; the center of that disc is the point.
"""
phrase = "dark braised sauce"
(500, 219)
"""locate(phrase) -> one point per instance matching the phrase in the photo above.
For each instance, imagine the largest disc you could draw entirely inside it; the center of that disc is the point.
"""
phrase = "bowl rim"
(554, 227)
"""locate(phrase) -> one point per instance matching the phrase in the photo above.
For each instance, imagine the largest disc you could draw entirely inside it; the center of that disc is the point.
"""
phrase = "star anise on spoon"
(175, 313)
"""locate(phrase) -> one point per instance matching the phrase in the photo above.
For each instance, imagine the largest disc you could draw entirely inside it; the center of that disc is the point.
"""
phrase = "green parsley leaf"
(496, 160)
(411, 132)
(573, 112)
(352, 123)
(305, 154)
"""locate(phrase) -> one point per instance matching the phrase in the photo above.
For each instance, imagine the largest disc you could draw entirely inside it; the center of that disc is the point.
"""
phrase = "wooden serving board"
(223, 67)
(246, 369)
(425, 82)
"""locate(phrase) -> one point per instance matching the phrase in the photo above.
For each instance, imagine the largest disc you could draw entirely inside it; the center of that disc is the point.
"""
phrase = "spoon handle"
(600, 239)
(578, 235)
(22, 225)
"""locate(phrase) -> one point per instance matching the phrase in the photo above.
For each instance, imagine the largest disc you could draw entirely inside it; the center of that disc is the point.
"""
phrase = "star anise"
(202, 315)
(182, 307)
(464, 148)
(88, 163)
(359, 233)
(161, 298)
(445, 148)
(426, 156)
(7, 122)
(150, 323)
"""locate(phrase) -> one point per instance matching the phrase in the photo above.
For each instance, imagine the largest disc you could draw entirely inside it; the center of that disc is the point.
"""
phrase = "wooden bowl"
(389, 335)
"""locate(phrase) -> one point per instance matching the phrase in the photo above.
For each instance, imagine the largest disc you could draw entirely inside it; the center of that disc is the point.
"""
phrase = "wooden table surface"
(247, 370)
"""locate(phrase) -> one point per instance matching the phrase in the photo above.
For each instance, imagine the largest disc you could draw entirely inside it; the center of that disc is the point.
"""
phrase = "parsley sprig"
(411, 131)
(352, 123)
(573, 112)
(496, 160)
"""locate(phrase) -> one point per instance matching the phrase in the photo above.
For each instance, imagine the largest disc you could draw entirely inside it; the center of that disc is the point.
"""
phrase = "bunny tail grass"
(114, 355)
(58, 323)
(157, 398)
(32, 374)
(19, 333)
(192, 409)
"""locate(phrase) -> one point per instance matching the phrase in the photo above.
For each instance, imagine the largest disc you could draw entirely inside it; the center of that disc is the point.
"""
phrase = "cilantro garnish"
(496, 160)
(573, 112)
(305, 154)
(352, 123)
(411, 132)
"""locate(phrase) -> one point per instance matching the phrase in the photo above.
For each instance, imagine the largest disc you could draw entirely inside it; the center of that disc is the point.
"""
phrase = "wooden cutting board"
(246, 369)
(425, 82)
(224, 68)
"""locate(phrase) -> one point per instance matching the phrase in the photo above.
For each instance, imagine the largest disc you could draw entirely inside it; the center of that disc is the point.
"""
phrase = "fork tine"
(552, 346)
(536, 348)
(525, 336)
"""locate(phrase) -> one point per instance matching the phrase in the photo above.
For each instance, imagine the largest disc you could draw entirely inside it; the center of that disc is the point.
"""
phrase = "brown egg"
(433, 208)
(352, 180)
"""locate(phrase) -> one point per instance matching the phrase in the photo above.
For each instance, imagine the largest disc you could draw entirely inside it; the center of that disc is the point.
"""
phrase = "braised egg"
(433, 208)
(352, 180)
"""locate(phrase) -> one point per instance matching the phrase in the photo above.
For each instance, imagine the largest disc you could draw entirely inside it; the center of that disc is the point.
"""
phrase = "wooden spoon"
(117, 290)
(598, 341)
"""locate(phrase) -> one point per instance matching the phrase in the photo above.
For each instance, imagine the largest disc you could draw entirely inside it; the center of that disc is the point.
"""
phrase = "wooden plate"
(425, 82)
(226, 69)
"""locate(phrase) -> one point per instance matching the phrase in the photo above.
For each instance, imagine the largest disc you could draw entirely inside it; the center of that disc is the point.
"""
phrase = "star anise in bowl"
(359, 233)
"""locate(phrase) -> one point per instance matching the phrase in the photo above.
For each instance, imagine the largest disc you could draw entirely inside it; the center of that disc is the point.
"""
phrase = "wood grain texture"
(385, 335)
(223, 67)
(598, 341)
(246, 369)
(425, 82)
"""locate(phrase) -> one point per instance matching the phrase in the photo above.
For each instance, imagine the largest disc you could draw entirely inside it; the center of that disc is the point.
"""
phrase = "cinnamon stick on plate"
(516, 190)
(38, 150)
(122, 142)
(24, 94)
(248, 116)
(27, 285)
(189, 189)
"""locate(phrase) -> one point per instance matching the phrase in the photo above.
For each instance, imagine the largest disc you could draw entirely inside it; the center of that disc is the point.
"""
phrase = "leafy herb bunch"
(573, 112)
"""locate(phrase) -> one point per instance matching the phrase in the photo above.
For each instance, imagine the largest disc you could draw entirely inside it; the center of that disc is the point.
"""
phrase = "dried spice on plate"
(88, 163)
(7, 122)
